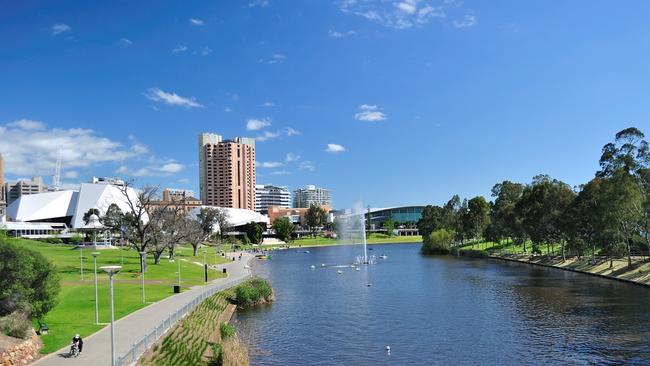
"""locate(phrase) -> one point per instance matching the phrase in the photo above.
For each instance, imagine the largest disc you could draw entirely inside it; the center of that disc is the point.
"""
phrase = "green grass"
(507, 247)
(75, 312)
(373, 238)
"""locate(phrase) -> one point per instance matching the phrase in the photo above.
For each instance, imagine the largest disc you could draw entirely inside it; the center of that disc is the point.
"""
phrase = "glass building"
(402, 215)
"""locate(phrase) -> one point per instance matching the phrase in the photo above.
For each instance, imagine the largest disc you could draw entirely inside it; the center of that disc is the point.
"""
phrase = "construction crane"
(56, 179)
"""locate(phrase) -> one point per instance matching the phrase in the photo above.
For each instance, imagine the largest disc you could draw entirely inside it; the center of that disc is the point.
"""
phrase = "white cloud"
(369, 113)
(336, 34)
(468, 21)
(152, 170)
(334, 148)
(260, 3)
(195, 21)
(267, 136)
(60, 28)
(183, 180)
(180, 49)
(291, 157)
(398, 14)
(227, 110)
(280, 172)
(307, 165)
(125, 42)
(206, 51)
(31, 148)
(267, 104)
(254, 124)
(27, 124)
(158, 95)
(268, 164)
(71, 174)
(293, 132)
(274, 59)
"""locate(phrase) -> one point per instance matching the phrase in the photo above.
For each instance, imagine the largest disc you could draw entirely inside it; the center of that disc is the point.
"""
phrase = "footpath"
(133, 327)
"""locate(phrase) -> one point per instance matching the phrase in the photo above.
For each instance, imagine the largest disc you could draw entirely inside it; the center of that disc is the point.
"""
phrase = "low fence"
(140, 347)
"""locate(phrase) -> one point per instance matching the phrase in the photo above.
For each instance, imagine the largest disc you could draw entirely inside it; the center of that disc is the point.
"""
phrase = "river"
(440, 311)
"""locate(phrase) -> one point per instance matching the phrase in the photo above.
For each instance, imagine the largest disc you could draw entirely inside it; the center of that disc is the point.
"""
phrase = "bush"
(54, 240)
(27, 281)
(76, 239)
(252, 292)
(16, 324)
(226, 330)
(438, 242)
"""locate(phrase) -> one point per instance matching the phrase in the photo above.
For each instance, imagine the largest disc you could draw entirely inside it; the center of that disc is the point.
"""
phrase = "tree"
(389, 225)
(173, 227)
(28, 281)
(284, 228)
(584, 223)
(629, 152)
(253, 232)
(90, 212)
(541, 208)
(438, 242)
(113, 219)
(476, 218)
(139, 229)
(432, 220)
(503, 218)
(623, 207)
(315, 218)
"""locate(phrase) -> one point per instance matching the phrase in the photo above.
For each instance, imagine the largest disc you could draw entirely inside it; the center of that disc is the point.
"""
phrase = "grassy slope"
(75, 312)
(617, 268)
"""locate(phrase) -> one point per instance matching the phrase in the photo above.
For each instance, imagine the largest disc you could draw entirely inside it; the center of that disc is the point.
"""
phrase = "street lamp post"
(81, 261)
(205, 264)
(179, 269)
(95, 254)
(142, 265)
(112, 270)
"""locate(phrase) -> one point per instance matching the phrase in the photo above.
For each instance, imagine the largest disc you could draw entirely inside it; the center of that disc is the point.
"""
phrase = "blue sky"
(389, 102)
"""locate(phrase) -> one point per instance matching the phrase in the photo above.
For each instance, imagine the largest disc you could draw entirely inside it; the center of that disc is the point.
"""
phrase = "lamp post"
(143, 256)
(112, 270)
(81, 261)
(179, 269)
(95, 254)
(205, 265)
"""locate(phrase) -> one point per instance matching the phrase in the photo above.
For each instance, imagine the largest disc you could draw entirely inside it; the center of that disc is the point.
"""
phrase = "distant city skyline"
(418, 102)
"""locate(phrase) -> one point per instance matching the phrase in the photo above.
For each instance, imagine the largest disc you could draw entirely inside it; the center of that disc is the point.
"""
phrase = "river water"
(441, 311)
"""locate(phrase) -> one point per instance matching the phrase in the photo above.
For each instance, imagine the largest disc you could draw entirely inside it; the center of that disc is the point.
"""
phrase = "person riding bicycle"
(78, 342)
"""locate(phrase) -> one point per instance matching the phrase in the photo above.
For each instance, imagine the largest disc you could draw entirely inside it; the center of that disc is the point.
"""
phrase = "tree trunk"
(171, 252)
(593, 253)
(195, 248)
(629, 253)
(563, 254)
(157, 254)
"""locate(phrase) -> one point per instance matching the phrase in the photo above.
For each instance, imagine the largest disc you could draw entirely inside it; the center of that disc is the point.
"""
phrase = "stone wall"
(22, 353)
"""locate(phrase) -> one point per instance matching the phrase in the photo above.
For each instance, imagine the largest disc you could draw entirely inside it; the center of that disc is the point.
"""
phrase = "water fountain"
(352, 228)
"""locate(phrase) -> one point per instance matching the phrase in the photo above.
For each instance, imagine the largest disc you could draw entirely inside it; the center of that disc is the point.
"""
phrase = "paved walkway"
(133, 327)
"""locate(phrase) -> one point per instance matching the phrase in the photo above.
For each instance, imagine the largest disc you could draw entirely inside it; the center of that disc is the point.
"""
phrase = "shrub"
(438, 242)
(27, 281)
(76, 239)
(252, 292)
(16, 324)
(226, 330)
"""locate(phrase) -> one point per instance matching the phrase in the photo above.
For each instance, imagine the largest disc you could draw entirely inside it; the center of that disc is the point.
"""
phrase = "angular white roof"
(51, 205)
(236, 216)
(43, 206)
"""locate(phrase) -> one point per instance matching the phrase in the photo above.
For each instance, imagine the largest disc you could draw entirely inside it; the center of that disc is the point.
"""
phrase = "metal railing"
(131, 356)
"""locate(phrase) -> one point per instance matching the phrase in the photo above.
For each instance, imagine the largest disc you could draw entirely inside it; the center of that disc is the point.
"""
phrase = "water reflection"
(442, 311)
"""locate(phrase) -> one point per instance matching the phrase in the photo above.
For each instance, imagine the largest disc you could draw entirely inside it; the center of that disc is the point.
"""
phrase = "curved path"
(133, 327)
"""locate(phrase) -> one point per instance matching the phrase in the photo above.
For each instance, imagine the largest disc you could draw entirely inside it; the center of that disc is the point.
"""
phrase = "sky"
(385, 102)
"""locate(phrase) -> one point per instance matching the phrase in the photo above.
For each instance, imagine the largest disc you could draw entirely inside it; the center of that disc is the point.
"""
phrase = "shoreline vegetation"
(601, 227)
(321, 241)
(608, 268)
(205, 337)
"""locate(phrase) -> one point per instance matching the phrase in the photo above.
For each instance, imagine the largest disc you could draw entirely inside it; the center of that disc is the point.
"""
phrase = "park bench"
(42, 328)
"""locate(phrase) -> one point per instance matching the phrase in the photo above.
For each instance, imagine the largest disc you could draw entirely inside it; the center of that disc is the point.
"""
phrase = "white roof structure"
(236, 216)
(70, 203)
(43, 206)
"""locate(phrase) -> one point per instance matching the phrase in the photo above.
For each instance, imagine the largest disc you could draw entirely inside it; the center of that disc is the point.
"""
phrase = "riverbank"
(615, 269)
(373, 239)
(205, 337)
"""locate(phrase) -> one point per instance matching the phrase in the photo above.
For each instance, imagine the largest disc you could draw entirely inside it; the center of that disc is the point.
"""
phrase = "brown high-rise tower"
(3, 201)
(227, 171)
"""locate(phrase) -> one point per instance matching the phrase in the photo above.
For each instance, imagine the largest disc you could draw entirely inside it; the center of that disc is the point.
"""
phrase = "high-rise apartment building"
(311, 195)
(13, 191)
(269, 195)
(172, 194)
(227, 171)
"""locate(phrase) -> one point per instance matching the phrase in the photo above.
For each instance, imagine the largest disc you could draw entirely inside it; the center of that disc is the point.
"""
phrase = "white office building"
(311, 195)
(269, 195)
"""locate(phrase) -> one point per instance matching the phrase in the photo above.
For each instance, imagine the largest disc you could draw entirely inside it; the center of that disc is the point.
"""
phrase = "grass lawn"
(372, 238)
(75, 312)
